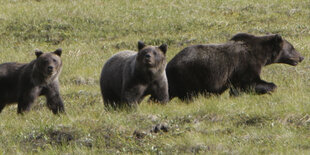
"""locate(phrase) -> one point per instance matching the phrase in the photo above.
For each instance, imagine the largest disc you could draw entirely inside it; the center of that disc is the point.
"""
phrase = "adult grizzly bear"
(237, 65)
(23, 83)
(127, 77)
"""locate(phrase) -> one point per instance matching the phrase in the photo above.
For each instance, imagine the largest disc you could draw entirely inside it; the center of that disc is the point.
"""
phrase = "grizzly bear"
(23, 83)
(237, 64)
(127, 77)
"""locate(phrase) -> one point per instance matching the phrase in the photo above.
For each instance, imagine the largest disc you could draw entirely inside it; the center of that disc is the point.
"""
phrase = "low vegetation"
(90, 31)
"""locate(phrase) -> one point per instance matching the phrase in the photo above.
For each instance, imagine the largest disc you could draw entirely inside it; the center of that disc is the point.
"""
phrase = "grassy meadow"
(91, 31)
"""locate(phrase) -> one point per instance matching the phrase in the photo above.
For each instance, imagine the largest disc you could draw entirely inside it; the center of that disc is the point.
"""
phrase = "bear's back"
(112, 73)
(9, 68)
(207, 53)
(118, 61)
(198, 67)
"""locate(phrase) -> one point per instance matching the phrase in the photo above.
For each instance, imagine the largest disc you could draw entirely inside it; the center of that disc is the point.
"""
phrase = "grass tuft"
(91, 31)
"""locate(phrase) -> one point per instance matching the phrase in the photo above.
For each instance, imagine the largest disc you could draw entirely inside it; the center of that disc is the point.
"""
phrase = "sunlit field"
(91, 31)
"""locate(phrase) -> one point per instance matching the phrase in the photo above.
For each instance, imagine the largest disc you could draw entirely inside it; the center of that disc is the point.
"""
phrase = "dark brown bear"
(237, 64)
(127, 77)
(23, 83)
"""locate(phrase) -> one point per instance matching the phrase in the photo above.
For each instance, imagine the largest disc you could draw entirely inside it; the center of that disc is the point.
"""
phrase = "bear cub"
(237, 65)
(127, 77)
(23, 83)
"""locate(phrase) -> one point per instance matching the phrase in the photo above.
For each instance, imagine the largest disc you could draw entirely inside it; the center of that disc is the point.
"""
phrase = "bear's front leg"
(53, 98)
(26, 99)
(159, 92)
(263, 87)
(132, 95)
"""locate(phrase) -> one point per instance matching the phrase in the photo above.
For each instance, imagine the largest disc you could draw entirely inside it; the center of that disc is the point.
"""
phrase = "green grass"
(90, 31)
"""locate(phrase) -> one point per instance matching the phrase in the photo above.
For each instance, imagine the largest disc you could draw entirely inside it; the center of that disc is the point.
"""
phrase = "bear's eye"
(54, 60)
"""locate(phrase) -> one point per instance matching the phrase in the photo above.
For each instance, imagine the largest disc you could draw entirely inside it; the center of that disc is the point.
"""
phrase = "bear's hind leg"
(110, 100)
(2, 105)
(26, 100)
(234, 92)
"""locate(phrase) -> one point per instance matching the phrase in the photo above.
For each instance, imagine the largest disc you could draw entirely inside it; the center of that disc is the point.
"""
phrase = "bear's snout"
(147, 56)
(301, 59)
(50, 69)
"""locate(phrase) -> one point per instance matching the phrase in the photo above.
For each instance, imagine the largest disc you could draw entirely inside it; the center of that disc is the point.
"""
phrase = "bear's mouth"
(148, 61)
(293, 61)
(50, 73)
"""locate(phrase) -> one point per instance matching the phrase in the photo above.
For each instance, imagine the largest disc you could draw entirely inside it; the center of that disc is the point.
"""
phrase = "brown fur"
(237, 65)
(127, 77)
(23, 83)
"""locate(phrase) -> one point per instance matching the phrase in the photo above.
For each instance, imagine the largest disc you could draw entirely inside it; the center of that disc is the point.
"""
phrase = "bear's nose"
(301, 59)
(50, 68)
(148, 56)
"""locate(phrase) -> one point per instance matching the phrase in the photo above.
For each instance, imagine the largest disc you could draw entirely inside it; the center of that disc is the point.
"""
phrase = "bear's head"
(288, 54)
(152, 56)
(272, 46)
(49, 64)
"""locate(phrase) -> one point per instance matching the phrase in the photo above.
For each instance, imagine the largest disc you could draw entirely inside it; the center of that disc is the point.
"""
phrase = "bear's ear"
(140, 45)
(278, 38)
(58, 52)
(38, 53)
(163, 48)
